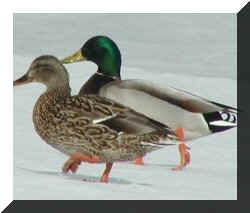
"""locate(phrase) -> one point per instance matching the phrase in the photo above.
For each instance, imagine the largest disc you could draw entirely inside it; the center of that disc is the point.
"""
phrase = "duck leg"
(183, 150)
(105, 175)
(75, 160)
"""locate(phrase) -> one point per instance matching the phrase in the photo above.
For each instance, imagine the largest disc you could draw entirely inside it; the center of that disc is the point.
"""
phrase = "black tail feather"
(226, 107)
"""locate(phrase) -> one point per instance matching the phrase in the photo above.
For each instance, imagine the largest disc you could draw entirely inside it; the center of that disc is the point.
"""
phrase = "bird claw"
(104, 179)
(185, 157)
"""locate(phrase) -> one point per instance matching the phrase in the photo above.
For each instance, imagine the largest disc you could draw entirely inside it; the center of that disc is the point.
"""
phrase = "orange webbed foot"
(139, 161)
(71, 165)
(75, 160)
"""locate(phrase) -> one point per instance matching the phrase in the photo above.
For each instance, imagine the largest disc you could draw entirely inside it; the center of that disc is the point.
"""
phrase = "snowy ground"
(194, 52)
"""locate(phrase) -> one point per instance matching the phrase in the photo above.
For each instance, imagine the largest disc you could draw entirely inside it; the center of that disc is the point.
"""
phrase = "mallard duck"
(76, 125)
(191, 116)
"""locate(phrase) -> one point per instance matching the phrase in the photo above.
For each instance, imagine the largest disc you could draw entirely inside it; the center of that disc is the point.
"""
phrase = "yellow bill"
(76, 57)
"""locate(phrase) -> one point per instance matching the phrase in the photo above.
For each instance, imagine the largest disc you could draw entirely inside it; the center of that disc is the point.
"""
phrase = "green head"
(103, 52)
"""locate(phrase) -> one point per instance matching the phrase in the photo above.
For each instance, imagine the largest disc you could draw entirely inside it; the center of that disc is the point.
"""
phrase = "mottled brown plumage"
(75, 125)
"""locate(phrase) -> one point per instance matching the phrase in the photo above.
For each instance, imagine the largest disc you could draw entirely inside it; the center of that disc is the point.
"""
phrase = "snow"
(194, 52)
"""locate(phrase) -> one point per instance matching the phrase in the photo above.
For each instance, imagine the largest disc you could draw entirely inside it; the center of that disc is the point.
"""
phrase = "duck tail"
(221, 121)
(228, 108)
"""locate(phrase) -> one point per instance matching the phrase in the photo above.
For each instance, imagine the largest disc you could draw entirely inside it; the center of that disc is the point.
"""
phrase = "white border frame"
(108, 6)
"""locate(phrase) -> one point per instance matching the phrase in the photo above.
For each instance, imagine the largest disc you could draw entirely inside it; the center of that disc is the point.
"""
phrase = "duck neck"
(58, 87)
(54, 94)
(45, 105)
(59, 92)
(111, 71)
(95, 83)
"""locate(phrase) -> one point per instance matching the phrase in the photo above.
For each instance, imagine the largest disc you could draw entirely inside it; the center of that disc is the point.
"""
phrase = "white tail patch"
(229, 117)
(222, 123)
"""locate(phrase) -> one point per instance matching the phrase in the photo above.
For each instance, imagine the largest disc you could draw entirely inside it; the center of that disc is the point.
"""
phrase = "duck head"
(103, 52)
(47, 70)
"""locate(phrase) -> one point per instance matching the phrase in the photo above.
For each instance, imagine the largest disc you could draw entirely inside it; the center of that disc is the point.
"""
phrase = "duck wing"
(80, 127)
(176, 97)
(101, 110)
(169, 105)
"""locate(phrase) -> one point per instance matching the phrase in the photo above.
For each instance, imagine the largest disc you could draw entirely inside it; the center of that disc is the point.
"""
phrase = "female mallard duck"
(191, 116)
(78, 125)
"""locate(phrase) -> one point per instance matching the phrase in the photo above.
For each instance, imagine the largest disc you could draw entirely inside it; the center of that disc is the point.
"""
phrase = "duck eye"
(103, 50)
(100, 52)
